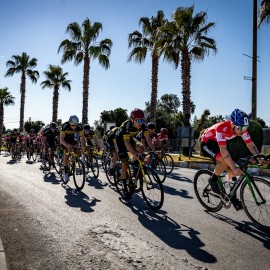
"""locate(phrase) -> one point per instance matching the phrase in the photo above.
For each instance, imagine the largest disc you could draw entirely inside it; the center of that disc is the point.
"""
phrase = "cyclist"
(162, 139)
(67, 139)
(105, 138)
(50, 136)
(90, 135)
(7, 141)
(14, 136)
(213, 145)
(126, 142)
(151, 129)
(32, 136)
(111, 143)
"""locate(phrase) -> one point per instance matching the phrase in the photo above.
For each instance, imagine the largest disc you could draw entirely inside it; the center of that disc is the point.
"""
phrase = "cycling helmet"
(151, 125)
(73, 119)
(9, 133)
(112, 126)
(15, 129)
(137, 113)
(21, 134)
(32, 130)
(239, 118)
(164, 131)
(53, 125)
(86, 127)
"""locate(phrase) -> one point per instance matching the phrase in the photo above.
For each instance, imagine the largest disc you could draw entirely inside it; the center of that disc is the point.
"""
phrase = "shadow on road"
(246, 227)
(95, 182)
(78, 199)
(51, 177)
(174, 235)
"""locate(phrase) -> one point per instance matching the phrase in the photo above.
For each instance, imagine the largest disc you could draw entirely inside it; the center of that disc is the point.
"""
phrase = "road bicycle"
(254, 192)
(16, 153)
(91, 162)
(32, 152)
(49, 158)
(167, 159)
(152, 160)
(75, 168)
(141, 179)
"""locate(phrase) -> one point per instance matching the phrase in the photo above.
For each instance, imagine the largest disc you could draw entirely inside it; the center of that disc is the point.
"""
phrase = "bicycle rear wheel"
(79, 174)
(169, 163)
(117, 182)
(206, 197)
(109, 176)
(94, 166)
(258, 212)
(152, 189)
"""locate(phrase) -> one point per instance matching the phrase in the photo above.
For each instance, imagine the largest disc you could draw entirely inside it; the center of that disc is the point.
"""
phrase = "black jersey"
(50, 135)
(128, 132)
(70, 133)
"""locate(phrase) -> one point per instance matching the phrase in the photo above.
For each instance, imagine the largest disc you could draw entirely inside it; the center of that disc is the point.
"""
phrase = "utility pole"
(254, 63)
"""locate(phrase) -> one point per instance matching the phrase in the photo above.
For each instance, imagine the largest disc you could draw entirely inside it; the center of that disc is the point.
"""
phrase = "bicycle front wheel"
(152, 189)
(79, 174)
(257, 211)
(209, 200)
(94, 166)
(169, 163)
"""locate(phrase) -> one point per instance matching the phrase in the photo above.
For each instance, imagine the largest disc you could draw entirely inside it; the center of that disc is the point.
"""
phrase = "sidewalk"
(3, 264)
(210, 166)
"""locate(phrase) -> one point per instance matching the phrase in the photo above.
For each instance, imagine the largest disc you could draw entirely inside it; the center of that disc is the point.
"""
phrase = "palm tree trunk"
(86, 71)
(22, 101)
(186, 78)
(153, 104)
(1, 118)
(55, 103)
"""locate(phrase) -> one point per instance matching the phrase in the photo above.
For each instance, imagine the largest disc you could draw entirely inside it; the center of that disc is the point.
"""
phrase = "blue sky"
(38, 27)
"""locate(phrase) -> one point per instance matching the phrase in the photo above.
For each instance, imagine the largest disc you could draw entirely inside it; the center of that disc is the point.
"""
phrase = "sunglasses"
(241, 128)
(139, 121)
(73, 125)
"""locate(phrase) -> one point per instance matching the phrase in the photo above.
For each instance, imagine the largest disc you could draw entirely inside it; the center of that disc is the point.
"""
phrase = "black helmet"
(52, 125)
(86, 127)
(112, 126)
(32, 130)
(73, 119)
(151, 125)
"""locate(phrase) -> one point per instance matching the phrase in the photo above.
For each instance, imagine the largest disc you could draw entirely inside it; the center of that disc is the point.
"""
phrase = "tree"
(264, 11)
(182, 40)
(55, 79)
(6, 99)
(36, 125)
(83, 47)
(143, 42)
(24, 65)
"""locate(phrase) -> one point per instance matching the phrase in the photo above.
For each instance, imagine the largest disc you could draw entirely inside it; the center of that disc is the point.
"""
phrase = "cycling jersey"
(51, 135)
(70, 133)
(89, 136)
(221, 133)
(14, 136)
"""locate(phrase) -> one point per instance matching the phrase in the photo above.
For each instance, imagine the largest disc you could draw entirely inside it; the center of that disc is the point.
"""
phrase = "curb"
(3, 264)
(211, 166)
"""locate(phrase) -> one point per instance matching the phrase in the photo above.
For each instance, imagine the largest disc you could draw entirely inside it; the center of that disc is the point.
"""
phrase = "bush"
(237, 147)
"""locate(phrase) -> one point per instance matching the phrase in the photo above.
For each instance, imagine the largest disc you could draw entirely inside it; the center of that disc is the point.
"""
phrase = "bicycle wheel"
(107, 172)
(152, 189)
(169, 163)
(159, 166)
(94, 166)
(118, 183)
(258, 212)
(206, 197)
(79, 174)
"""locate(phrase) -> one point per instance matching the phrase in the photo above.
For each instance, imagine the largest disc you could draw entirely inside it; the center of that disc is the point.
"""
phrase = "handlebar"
(244, 162)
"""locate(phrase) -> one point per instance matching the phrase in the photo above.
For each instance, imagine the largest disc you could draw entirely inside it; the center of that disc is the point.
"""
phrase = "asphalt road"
(47, 225)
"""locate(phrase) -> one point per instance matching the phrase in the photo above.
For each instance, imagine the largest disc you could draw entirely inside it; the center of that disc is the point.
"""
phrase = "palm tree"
(143, 42)
(24, 65)
(55, 79)
(83, 47)
(6, 99)
(182, 40)
(264, 12)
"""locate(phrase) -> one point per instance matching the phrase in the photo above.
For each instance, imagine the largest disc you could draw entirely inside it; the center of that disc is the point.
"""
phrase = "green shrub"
(237, 147)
